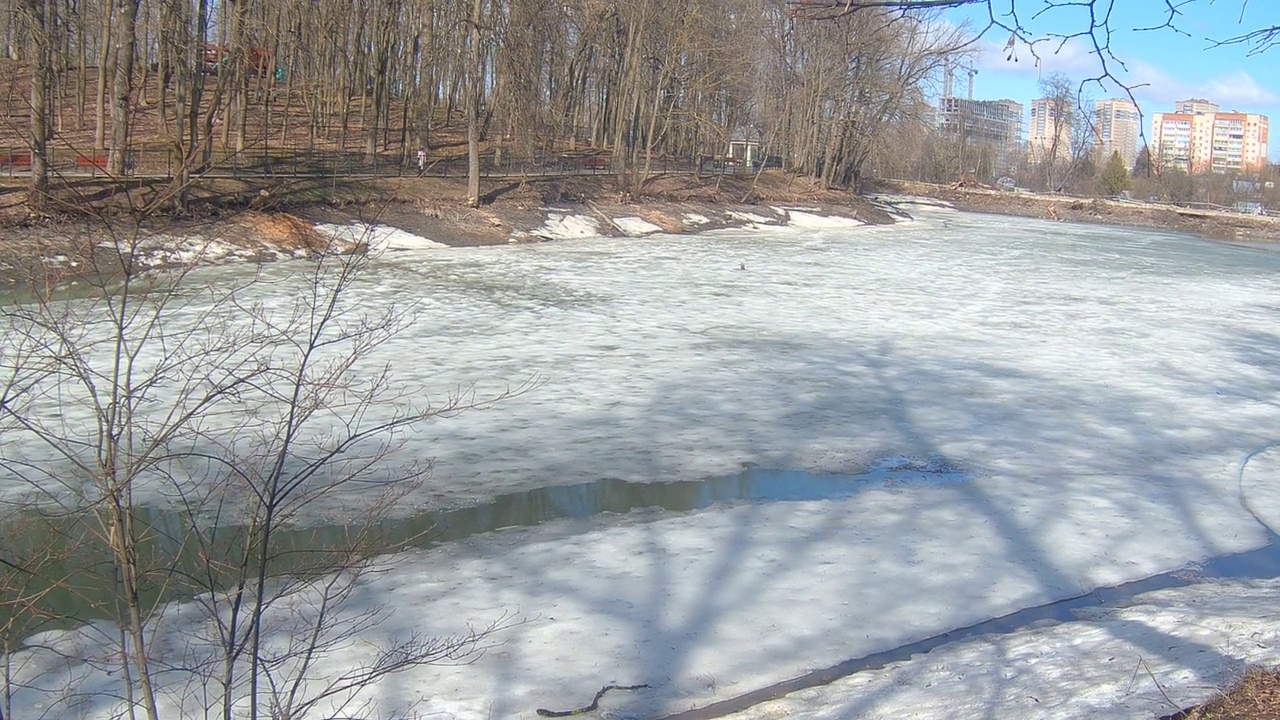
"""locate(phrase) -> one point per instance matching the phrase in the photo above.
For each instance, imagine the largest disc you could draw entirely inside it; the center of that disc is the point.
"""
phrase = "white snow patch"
(635, 226)
(167, 250)
(378, 237)
(704, 606)
(348, 235)
(811, 221)
(696, 219)
(916, 200)
(559, 226)
(751, 218)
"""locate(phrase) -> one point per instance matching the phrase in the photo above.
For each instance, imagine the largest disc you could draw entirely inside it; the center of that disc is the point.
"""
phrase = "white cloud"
(1236, 90)
(1239, 89)
(1072, 57)
(1077, 58)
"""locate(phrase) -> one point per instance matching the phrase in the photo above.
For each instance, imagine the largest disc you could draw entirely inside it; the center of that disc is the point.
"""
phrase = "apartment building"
(1117, 125)
(1199, 138)
(997, 123)
(1049, 135)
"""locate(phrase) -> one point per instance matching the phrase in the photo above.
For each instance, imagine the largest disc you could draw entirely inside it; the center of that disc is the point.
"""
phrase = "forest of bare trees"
(827, 88)
(636, 80)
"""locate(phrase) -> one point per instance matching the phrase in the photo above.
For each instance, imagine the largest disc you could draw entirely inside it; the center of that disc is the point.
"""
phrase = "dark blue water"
(170, 551)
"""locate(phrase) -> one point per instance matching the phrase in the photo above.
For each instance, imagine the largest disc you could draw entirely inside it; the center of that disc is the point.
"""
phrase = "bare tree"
(40, 19)
(475, 93)
(240, 417)
(124, 49)
(1053, 120)
(1083, 145)
(850, 77)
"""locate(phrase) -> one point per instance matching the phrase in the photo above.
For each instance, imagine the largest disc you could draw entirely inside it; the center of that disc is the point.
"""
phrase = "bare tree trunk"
(39, 15)
(380, 63)
(473, 106)
(428, 76)
(122, 84)
(82, 62)
(123, 539)
(144, 55)
(164, 66)
(191, 78)
(104, 62)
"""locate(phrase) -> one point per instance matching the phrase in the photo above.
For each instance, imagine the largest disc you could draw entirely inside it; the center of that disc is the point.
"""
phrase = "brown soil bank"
(228, 219)
(266, 219)
(1211, 224)
(516, 208)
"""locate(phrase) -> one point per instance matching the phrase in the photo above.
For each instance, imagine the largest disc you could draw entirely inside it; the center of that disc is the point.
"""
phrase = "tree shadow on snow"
(1073, 482)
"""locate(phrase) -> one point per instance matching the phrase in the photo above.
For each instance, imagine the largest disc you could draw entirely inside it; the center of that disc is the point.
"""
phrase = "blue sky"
(1172, 65)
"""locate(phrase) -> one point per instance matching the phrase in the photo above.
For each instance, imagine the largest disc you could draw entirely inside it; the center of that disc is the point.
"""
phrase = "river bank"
(1209, 224)
(236, 220)
(93, 229)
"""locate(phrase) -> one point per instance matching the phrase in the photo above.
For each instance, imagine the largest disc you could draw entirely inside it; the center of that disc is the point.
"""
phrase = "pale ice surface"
(1152, 658)
(1258, 474)
(1098, 389)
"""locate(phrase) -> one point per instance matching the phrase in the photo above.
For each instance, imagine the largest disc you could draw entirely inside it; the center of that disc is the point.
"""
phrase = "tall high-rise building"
(1195, 106)
(1049, 136)
(997, 123)
(1116, 125)
(1199, 138)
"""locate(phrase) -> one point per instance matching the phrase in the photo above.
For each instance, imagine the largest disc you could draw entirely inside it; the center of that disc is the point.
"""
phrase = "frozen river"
(1047, 352)
(1058, 362)
(1085, 396)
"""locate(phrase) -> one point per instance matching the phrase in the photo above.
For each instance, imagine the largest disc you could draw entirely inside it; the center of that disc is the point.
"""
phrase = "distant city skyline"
(1163, 66)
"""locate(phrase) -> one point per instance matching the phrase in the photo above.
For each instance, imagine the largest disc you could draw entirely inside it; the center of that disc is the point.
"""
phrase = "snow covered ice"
(1097, 389)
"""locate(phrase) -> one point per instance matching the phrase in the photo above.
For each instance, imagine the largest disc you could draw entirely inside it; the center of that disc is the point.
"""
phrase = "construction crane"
(949, 80)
